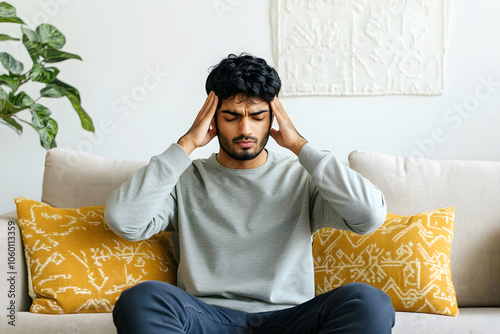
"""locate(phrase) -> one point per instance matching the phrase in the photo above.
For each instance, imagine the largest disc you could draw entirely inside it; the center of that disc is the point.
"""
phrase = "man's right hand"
(201, 133)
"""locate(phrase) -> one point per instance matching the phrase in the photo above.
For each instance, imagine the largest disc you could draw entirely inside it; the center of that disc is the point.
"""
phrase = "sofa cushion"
(412, 185)
(407, 257)
(73, 179)
(76, 264)
(82, 323)
(472, 320)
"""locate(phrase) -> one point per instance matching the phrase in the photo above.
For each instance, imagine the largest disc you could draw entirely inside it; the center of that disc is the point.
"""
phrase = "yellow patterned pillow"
(76, 264)
(407, 257)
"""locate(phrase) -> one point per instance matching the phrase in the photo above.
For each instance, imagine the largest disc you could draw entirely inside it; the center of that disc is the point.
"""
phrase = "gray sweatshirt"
(245, 234)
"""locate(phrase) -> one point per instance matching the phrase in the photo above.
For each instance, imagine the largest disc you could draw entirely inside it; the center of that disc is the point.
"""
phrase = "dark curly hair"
(245, 74)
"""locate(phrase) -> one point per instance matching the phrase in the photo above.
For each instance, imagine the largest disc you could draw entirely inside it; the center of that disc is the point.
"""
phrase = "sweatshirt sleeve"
(145, 204)
(340, 197)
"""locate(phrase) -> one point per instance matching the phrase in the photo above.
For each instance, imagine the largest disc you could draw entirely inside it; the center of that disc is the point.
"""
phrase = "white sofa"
(410, 186)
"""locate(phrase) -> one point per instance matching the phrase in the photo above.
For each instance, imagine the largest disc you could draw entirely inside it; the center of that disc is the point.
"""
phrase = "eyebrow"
(235, 113)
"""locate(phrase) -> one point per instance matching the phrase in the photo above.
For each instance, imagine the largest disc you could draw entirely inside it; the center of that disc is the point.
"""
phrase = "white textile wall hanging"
(360, 47)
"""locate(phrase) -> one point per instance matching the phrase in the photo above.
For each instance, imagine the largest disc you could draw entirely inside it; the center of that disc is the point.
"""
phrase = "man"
(244, 218)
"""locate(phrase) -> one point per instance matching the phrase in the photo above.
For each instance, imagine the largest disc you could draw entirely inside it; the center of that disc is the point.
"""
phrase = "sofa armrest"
(13, 275)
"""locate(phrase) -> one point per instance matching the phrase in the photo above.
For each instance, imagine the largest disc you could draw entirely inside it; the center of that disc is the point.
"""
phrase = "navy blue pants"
(157, 307)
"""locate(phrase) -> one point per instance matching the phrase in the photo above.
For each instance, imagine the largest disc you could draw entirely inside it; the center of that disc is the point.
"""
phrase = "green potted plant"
(44, 46)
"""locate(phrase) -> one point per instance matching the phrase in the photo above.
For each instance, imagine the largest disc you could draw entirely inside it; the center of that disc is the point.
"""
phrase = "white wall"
(123, 42)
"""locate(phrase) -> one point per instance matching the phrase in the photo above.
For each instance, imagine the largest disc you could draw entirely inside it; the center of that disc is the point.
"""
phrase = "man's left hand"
(287, 136)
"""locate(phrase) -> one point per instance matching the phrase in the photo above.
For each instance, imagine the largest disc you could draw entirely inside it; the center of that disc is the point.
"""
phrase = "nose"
(245, 127)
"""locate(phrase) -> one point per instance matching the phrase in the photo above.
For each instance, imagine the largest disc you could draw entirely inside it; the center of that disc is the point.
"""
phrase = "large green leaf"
(7, 108)
(31, 41)
(43, 74)
(12, 83)
(4, 103)
(49, 35)
(10, 64)
(8, 14)
(40, 115)
(74, 97)
(48, 134)
(32, 47)
(31, 34)
(55, 56)
(51, 91)
(4, 37)
(10, 105)
(22, 100)
(12, 123)
(85, 119)
(56, 89)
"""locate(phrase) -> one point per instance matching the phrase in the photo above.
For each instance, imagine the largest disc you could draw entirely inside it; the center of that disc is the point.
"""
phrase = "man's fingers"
(279, 111)
(210, 105)
(287, 136)
(277, 106)
(213, 107)
(200, 132)
(207, 101)
(207, 112)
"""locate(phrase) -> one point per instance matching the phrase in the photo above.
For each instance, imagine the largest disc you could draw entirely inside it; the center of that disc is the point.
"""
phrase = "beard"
(245, 153)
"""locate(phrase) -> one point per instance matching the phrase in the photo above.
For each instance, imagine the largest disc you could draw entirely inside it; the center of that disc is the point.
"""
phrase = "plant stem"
(8, 115)
(27, 75)
(22, 120)
(15, 112)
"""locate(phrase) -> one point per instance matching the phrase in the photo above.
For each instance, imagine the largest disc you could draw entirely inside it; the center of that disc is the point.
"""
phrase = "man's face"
(243, 126)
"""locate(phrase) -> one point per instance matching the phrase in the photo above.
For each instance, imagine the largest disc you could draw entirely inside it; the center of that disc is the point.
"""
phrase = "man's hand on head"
(287, 136)
(201, 133)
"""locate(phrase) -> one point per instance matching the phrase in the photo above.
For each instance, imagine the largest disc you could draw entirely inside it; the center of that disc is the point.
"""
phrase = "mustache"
(243, 137)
